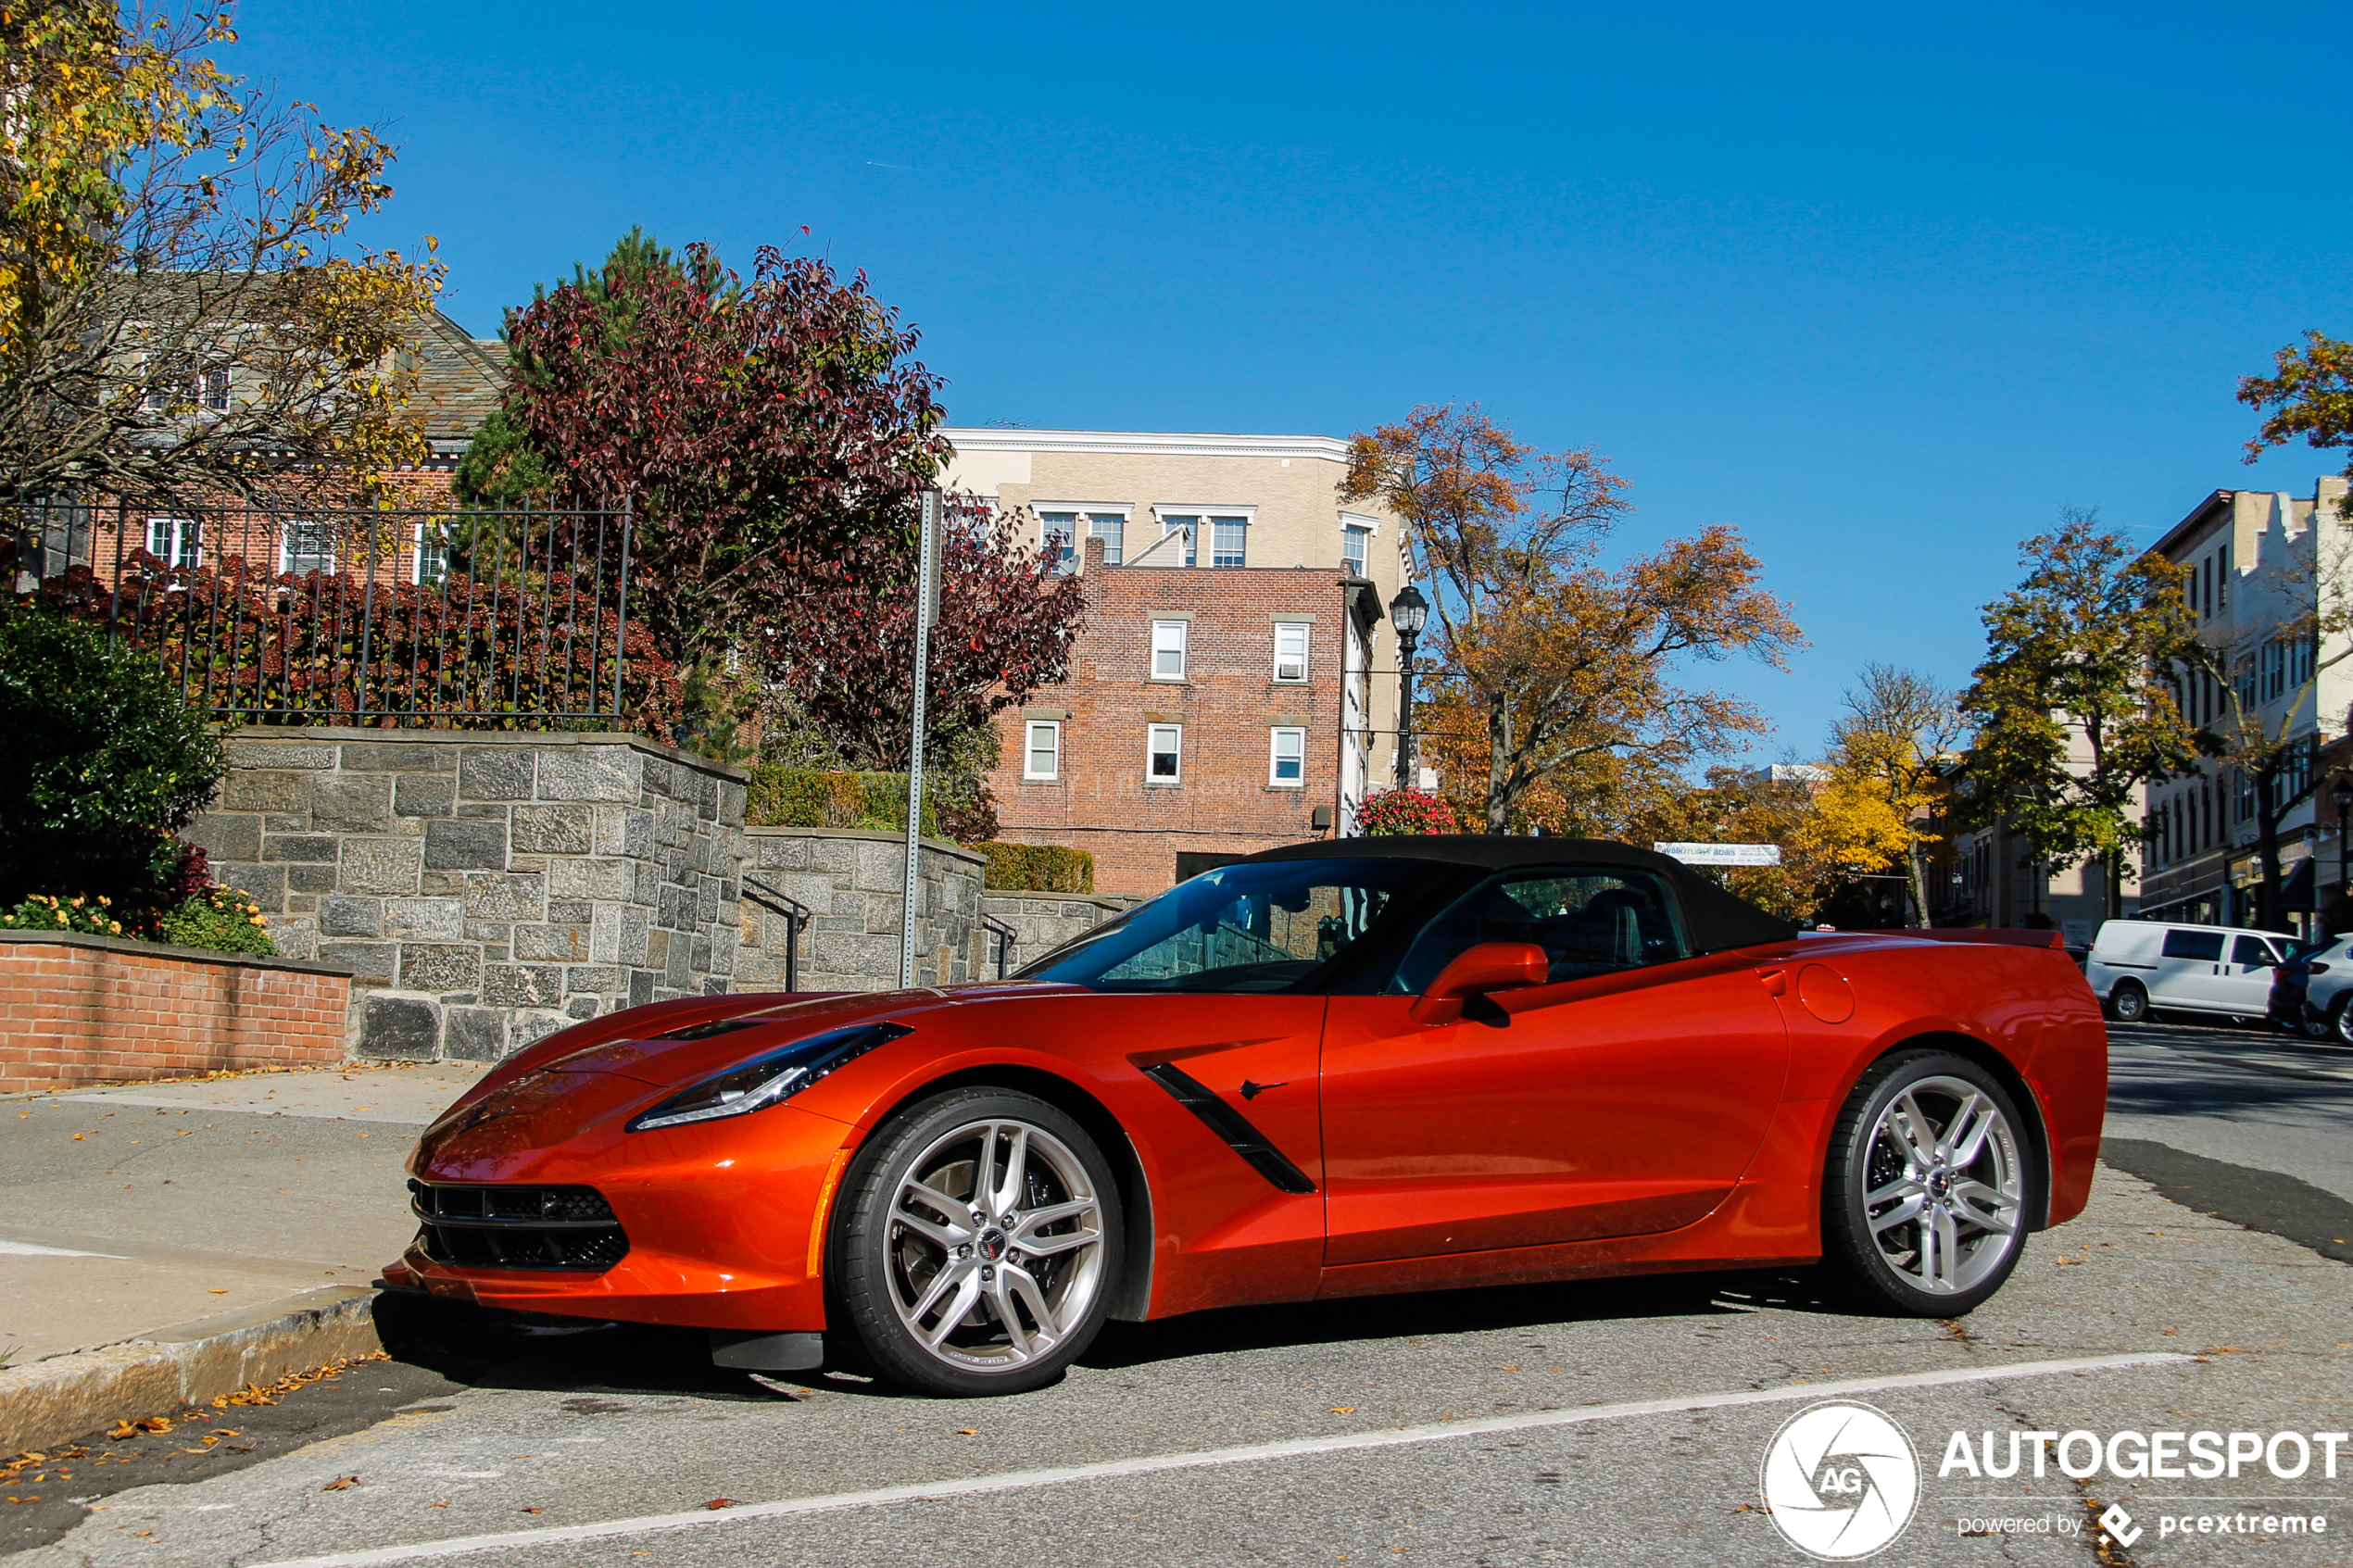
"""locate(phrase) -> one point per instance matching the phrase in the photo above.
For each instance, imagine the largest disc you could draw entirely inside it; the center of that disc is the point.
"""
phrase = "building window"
(1229, 539)
(2274, 668)
(2221, 581)
(1164, 754)
(432, 561)
(1168, 650)
(1287, 765)
(216, 391)
(2300, 669)
(309, 546)
(1044, 754)
(1291, 651)
(176, 541)
(1057, 530)
(1189, 527)
(1111, 529)
(1353, 547)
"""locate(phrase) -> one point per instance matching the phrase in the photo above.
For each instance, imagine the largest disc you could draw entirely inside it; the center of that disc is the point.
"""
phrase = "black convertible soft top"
(1718, 920)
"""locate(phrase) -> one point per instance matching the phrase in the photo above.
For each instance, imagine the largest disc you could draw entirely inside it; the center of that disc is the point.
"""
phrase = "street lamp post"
(1411, 613)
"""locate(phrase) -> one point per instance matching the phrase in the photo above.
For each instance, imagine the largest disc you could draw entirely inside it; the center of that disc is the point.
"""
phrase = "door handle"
(1251, 1091)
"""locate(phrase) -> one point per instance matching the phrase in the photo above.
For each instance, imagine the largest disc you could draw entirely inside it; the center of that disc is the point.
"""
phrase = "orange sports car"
(1334, 1069)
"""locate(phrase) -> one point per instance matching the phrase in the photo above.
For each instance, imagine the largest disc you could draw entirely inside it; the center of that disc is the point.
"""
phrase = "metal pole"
(1405, 710)
(927, 590)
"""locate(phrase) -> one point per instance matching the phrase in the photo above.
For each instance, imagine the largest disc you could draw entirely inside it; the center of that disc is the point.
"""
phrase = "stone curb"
(50, 1401)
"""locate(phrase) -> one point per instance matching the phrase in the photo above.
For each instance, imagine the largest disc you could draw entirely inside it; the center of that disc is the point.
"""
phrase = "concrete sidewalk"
(143, 1213)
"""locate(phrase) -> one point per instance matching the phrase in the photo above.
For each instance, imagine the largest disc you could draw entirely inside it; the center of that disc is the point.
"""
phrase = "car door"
(1623, 1098)
(2242, 982)
(2185, 975)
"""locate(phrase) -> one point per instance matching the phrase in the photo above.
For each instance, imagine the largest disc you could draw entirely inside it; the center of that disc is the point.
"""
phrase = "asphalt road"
(1479, 1427)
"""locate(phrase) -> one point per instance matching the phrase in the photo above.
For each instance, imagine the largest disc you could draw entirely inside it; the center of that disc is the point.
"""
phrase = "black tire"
(2129, 1002)
(1865, 1264)
(2341, 1020)
(878, 1252)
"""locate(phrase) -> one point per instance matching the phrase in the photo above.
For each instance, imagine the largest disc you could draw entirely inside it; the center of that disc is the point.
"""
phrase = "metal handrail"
(796, 917)
(1006, 937)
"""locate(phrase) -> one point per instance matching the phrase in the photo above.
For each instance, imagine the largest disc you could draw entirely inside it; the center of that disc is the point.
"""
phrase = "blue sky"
(1883, 287)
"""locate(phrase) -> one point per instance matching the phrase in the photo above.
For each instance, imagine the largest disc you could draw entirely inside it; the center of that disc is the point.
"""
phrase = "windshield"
(1265, 926)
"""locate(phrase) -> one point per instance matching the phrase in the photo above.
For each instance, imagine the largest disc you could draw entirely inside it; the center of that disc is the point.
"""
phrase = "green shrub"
(93, 917)
(1037, 868)
(813, 797)
(225, 919)
(107, 763)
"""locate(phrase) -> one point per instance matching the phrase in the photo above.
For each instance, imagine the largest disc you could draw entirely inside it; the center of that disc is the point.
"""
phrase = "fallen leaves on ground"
(717, 1503)
(257, 1394)
(968, 1432)
(341, 1484)
(122, 1429)
(1342, 1410)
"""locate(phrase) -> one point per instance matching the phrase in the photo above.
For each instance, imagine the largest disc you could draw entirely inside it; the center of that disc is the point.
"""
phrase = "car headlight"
(768, 1079)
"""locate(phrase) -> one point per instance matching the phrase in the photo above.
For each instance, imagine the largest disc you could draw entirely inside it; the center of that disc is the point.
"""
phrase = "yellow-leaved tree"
(180, 314)
(1889, 759)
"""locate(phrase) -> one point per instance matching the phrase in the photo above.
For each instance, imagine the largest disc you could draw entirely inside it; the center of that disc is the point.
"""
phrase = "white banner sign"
(1723, 854)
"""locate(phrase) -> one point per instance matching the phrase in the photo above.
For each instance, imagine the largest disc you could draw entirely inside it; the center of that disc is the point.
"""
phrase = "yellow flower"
(115, 927)
(105, 902)
(261, 920)
(77, 903)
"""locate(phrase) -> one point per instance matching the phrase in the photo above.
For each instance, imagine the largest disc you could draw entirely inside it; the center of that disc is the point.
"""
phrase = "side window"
(2253, 951)
(1589, 921)
(1168, 650)
(1290, 650)
(2202, 947)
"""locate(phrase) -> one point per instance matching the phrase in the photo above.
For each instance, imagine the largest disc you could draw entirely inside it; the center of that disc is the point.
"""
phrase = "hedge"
(812, 797)
(1037, 868)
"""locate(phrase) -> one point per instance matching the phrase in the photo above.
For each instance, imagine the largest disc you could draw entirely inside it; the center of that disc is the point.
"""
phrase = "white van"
(2137, 966)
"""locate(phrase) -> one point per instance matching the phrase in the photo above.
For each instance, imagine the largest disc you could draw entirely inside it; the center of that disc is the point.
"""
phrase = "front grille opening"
(517, 1227)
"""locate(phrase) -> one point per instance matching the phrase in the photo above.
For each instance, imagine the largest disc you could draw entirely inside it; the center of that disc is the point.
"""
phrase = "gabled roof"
(459, 380)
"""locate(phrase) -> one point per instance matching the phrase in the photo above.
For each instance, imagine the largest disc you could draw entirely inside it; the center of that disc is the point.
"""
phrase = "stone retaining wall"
(853, 883)
(94, 1009)
(485, 889)
(1042, 921)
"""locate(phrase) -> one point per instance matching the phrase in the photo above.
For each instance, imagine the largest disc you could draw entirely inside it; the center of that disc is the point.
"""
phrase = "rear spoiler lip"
(2005, 937)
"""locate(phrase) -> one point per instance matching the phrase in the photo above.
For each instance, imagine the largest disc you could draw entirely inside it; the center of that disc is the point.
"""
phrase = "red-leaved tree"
(763, 435)
(845, 646)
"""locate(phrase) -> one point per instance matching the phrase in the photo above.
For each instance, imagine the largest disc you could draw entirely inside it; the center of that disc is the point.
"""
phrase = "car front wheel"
(975, 1244)
(2128, 1003)
(1930, 1183)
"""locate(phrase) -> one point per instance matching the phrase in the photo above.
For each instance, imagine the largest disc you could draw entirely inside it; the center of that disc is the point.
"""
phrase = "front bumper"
(714, 1226)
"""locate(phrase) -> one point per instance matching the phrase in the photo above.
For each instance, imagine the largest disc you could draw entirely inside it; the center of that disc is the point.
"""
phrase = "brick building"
(1234, 688)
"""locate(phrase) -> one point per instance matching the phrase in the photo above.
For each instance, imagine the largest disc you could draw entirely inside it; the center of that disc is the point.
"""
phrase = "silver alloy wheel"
(995, 1246)
(1946, 1200)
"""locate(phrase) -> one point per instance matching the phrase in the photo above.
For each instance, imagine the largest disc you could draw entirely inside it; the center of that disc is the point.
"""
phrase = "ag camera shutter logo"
(1840, 1481)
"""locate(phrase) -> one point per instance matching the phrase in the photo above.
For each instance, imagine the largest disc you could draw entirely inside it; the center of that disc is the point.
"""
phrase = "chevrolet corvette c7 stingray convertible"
(1334, 1069)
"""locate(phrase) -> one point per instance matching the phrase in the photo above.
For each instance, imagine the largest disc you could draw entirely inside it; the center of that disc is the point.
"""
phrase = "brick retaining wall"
(92, 1009)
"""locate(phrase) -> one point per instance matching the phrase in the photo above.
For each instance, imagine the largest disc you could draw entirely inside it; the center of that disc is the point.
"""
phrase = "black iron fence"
(359, 614)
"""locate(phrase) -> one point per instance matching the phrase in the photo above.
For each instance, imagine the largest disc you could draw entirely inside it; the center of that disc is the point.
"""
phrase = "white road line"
(26, 1249)
(208, 1109)
(1019, 1480)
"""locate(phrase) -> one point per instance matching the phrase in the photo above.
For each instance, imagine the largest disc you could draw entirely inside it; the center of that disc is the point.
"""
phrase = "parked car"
(1336, 1069)
(2314, 992)
(2140, 967)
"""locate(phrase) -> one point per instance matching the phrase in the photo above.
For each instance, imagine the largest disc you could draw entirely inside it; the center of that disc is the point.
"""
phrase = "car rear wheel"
(2129, 1003)
(1930, 1183)
(975, 1244)
(2341, 1018)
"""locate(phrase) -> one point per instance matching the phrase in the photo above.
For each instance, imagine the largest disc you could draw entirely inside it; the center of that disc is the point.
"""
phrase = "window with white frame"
(1287, 757)
(2300, 659)
(1163, 754)
(1059, 529)
(429, 564)
(1168, 649)
(1229, 541)
(1111, 529)
(1191, 528)
(308, 545)
(176, 541)
(1354, 546)
(1042, 758)
(1290, 650)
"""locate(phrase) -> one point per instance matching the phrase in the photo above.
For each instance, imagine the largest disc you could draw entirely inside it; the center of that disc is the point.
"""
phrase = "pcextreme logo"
(1840, 1481)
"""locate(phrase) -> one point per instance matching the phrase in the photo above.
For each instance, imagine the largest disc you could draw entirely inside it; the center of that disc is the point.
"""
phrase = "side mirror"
(1478, 971)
